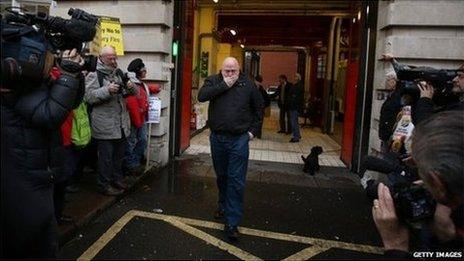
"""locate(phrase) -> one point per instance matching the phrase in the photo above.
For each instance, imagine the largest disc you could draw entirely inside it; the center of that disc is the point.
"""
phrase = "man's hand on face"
(230, 81)
(113, 88)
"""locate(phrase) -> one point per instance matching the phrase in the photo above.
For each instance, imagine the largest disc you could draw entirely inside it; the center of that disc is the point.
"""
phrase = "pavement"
(168, 214)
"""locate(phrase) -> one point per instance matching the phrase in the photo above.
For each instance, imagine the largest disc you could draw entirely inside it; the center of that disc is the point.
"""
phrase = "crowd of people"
(76, 119)
(423, 140)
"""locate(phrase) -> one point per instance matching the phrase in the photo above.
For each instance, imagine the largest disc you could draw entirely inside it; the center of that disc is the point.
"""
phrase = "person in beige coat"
(110, 121)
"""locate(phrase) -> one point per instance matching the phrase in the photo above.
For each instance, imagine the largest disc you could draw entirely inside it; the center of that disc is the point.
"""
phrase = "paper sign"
(154, 109)
(109, 32)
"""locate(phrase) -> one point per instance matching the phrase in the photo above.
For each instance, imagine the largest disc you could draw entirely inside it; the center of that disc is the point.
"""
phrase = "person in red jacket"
(137, 105)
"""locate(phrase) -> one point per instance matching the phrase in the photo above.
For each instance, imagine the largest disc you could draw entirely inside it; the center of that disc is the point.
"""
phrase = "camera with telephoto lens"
(441, 79)
(413, 203)
(30, 41)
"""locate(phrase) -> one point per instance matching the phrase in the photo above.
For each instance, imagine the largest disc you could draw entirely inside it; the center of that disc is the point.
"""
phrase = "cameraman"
(32, 158)
(425, 106)
(438, 150)
(110, 121)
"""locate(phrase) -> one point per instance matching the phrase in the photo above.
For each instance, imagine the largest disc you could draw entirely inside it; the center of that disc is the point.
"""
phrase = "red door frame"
(186, 89)
(350, 112)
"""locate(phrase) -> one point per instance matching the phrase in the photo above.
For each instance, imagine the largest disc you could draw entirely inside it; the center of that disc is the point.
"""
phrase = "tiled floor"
(276, 147)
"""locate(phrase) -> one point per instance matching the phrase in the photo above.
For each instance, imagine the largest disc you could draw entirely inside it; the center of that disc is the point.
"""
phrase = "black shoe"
(65, 220)
(294, 140)
(281, 131)
(111, 191)
(120, 185)
(219, 214)
(288, 132)
(231, 232)
(72, 188)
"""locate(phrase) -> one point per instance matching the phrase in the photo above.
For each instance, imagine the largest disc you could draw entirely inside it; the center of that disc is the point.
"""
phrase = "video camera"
(413, 203)
(28, 38)
(441, 80)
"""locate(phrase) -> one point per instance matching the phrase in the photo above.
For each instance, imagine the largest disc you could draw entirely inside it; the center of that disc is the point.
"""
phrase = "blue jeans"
(136, 145)
(295, 126)
(230, 160)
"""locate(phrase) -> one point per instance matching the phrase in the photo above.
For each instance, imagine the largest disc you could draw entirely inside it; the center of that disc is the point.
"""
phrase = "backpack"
(388, 113)
(81, 132)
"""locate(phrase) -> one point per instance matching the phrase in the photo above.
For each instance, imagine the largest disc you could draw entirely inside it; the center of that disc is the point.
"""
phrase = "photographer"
(31, 157)
(438, 150)
(429, 101)
(425, 105)
(109, 120)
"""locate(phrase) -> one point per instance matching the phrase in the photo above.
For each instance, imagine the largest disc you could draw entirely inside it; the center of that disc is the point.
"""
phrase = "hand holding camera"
(113, 88)
(71, 62)
(426, 90)
(394, 235)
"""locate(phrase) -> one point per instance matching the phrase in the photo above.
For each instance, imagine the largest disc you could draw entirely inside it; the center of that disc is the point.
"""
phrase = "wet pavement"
(286, 211)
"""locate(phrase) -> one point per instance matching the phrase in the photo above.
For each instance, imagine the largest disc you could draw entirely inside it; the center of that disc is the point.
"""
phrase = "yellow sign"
(109, 32)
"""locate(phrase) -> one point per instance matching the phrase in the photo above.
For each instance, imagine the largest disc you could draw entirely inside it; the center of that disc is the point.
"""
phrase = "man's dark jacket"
(282, 102)
(233, 110)
(425, 107)
(295, 97)
(31, 161)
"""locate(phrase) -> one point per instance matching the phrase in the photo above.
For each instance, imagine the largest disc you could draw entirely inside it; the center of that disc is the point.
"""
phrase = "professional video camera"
(30, 40)
(441, 80)
(413, 203)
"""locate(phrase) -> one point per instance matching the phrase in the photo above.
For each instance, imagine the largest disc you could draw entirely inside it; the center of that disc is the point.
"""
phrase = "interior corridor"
(276, 147)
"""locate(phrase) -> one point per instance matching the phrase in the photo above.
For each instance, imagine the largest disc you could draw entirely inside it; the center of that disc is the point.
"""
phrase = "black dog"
(311, 163)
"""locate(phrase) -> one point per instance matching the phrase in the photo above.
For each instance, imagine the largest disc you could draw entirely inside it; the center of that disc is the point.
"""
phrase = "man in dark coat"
(234, 117)
(266, 99)
(284, 114)
(32, 159)
(295, 104)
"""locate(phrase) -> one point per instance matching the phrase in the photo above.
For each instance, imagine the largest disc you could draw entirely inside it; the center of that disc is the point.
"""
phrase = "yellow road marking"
(187, 225)
(212, 240)
(307, 253)
(106, 237)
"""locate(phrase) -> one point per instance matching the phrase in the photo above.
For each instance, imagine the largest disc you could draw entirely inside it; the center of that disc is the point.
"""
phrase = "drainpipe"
(329, 77)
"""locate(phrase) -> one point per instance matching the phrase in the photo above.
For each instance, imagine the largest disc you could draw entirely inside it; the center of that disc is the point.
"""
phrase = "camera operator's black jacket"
(233, 110)
(31, 161)
(425, 107)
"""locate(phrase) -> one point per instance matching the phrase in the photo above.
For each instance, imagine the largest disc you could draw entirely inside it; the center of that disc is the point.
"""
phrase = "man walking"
(235, 117)
(110, 121)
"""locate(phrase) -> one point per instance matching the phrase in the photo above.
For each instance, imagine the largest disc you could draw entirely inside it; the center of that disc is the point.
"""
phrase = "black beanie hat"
(136, 65)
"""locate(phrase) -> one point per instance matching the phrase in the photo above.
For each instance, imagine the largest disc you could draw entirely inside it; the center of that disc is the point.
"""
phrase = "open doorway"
(315, 40)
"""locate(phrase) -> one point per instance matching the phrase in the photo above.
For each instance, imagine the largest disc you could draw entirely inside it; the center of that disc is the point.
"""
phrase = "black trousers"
(28, 224)
(284, 120)
(110, 158)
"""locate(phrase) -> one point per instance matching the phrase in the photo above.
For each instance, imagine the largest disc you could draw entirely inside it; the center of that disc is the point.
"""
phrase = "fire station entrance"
(323, 41)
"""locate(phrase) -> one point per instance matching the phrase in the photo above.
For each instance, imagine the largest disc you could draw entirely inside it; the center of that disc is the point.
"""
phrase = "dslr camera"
(31, 41)
(413, 203)
(120, 78)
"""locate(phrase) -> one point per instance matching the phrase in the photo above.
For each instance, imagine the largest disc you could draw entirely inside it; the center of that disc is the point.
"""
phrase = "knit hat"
(136, 65)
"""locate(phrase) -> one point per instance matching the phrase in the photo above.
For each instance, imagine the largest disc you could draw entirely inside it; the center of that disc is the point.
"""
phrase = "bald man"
(109, 120)
(235, 117)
